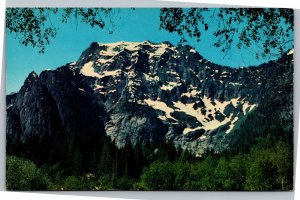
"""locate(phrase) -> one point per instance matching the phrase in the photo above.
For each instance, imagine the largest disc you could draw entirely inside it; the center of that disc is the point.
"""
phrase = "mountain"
(146, 92)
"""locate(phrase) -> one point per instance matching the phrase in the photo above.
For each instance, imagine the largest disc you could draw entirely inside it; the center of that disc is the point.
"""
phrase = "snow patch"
(187, 130)
(88, 70)
(159, 105)
(112, 91)
(192, 51)
(97, 87)
(172, 73)
(104, 61)
(159, 49)
(235, 101)
(150, 77)
(290, 52)
(232, 124)
(247, 106)
(235, 84)
(110, 73)
(189, 110)
(203, 137)
(170, 86)
(214, 106)
(190, 94)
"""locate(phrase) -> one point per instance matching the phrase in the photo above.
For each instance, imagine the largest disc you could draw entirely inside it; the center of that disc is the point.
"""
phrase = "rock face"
(147, 92)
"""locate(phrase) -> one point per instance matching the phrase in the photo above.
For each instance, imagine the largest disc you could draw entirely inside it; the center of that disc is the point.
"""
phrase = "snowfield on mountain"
(148, 92)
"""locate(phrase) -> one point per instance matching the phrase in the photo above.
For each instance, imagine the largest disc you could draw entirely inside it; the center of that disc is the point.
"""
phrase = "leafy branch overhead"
(34, 27)
(268, 31)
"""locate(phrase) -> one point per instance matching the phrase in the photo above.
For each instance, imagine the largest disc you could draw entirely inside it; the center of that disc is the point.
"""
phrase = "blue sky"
(71, 40)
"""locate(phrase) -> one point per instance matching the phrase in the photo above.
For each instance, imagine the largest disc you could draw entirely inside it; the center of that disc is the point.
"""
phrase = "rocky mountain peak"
(32, 76)
(144, 91)
(31, 80)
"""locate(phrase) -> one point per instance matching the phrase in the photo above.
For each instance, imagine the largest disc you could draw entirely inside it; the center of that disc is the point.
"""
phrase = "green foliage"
(268, 29)
(183, 171)
(73, 183)
(202, 175)
(159, 176)
(33, 26)
(23, 174)
(29, 24)
(272, 168)
(266, 166)
(103, 183)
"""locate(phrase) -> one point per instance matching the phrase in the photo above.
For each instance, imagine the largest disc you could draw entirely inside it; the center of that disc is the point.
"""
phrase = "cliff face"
(146, 92)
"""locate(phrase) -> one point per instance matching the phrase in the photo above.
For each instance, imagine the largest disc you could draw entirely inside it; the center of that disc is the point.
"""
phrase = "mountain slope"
(147, 92)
